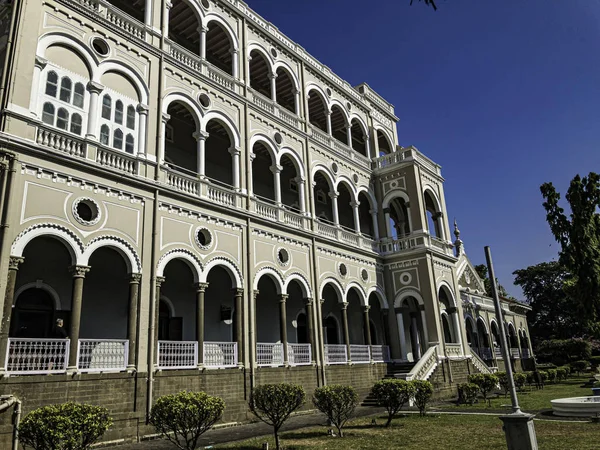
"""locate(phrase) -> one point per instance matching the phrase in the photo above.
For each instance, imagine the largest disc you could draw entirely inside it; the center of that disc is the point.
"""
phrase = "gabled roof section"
(467, 275)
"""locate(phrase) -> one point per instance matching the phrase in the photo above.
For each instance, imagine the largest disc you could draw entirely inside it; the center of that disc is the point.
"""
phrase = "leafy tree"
(423, 393)
(553, 313)
(467, 393)
(487, 382)
(337, 402)
(579, 366)
(579, 238)
(520, 380)
(393, 394)
(503, 381)
(561, 351)
(182, 418)
(274, 403)
(482, 271)
(68, 426)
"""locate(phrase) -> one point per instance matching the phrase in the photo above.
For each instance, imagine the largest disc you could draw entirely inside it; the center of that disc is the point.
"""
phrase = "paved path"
(248, 431)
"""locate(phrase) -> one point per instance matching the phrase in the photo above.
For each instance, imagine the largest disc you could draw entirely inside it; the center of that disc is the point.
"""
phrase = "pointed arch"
(186, 256)
(449, 292)
(268, 143)
(188, 102)
(294, 157)
(132, 75)
(404, 293)
(63, 39)
(329, 177)
(211, 17)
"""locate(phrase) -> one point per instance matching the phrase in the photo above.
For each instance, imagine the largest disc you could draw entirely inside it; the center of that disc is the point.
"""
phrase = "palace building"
(190, 200)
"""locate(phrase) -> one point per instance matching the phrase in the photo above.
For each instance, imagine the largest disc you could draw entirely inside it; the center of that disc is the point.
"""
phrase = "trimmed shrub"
(337, 402)
(423, 393)
(503, 382)
(551, 375)
(71, 426)
(579, 366)
(487, 382)
(467, 393)
(530, 378)
(561, 374)
(393, 394)
(543, 375)
(520, 380)
(183, 417)
(274, 403)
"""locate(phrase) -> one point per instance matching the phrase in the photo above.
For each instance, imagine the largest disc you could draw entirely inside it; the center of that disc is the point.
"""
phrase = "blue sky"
(504, 94)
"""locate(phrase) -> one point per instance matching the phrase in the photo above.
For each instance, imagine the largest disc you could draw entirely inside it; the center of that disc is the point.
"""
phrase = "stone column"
(200, 291)
(202, 30)
(94, 89)
(235, 164)
(253, 326)
(273, 77)
(239, 322)
(367, 325)
(375, 143)
(283, 326)
(345, 328)
(39, 65)
(168, 6)
(301, 196)
(134, 289)
(388, 225)
(414, 336)
(311, 328)
(234, 63)
(162, 145)
(148, 13)
(251, 176)
(9, 297)
(159, 282)
(200, 137)
(373, 213)
(424, 325)
(328, 117)
(349, 135)
(296, 93)
(453, 311)
(402, 333)
(276, 170)
(386, 326)
(334, 207)
(355, 206)
(76, 304)
(142, 126)
(367, 145)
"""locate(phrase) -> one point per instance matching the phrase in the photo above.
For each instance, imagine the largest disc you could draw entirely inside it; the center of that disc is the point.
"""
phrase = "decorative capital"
(79, 271)
(300, 179)
(308, 301)
(276, 168)
(238, 292)
(166, 117)
(421, 307)
(94, 88)
(437, 215)
(322, 301)
(354, 204)
(135, 278)
(366, 308)
(283, 298)
(344, 306)
(160, 281)
(334, 195)
(252, 156)
(200, 135)
(168, 4)
(142, 109)
(407, 204)
(201, 287)
(386, 210)
(451, 310)
(14, 261)
(235, 151)
(255, 293)
(40, 62)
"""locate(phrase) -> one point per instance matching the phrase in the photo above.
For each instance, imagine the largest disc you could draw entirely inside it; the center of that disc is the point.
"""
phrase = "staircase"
(394, 370)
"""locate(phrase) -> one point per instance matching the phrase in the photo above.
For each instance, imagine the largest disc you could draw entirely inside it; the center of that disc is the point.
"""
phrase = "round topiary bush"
(467, 393)
(393, 394)
(337, 402)
(520, 380)
(487, 382)
(423, 393)
(71, 426)
(182, 418)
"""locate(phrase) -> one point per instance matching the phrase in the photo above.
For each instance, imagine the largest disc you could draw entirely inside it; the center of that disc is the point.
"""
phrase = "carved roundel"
(355, 178)
(328, 92)
(274, 52)
(204, 238)
(205, 4)
(343, 269)
(349, 106)
(405, 278)
(204, 100)
(364, 274)
(86, 211)
(394, 184)
(278, 138)
(283, 257)
(100, 46)
(334, 167)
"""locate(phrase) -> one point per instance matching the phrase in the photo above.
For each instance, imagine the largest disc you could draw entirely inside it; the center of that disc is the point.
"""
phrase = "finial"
(456, 230)
(458, 243)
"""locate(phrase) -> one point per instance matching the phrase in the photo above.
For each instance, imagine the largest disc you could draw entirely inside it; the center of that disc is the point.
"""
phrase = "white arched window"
(76, 122)
(62, 119)
(48, 113)
(66, 87)
(131, 117)
(52, 84)
(104, 134)
(112, 125)
(129, 143)
(106, 107)
(118, 139)
(119, 112)
(79, 95)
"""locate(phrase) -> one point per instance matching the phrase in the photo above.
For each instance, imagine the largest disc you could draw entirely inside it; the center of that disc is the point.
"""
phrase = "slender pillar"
(424, 324)
(334, 207)
(455, 323)
(388, 224)
(328, 117)
(274, 87)
(386, 326)
(234, 63)
(373, 213)
(200, 291)
(159, 282)
(355, 212)
(300, 181)
(367, 145)
(239, 325)
(9, 297)
(283, 326)
(296, 93)
(345, 329)
(276, 170)
(367, 325)
(311, 328)
(39, 65)
(375, 143)
(200, 137)
(148, 13)
(253, 324)
(251, 175)
(134, 289)
(94, 89)
(402, 332)
(76, 304)
(235, 164)
(161, 149)
(414, 335)
(142, 126)
(168, 6)
(349, 135)
(202, 30)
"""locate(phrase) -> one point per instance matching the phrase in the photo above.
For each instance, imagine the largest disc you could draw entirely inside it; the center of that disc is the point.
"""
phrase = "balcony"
(338, 147)
(453, 350)
(114, 16)
(388, 246)
(184, 355)
(405, 155)
(273, 108)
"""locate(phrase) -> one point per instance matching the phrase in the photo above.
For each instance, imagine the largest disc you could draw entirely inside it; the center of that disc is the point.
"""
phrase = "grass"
(455, 432)
(530, 400)
(460, 432)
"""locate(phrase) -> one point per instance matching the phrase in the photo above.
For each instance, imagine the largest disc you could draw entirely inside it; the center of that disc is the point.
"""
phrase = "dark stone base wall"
(361, 376)
(448, 375)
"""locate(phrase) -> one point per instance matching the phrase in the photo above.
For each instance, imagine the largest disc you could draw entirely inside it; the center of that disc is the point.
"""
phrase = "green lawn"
(460, 432)
(531, 400)
(454, 432)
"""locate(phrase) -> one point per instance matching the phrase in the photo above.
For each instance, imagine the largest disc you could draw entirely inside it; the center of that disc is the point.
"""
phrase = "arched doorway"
(33, 314)
(332, 333)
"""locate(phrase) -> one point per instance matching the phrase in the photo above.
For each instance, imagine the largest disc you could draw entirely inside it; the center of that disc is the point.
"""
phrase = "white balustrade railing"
(263, 102)
(220, 77)
(288, 117)
(266, 210)
(342, 148)
(380, 353)
(268, 354)
(480, 364)
(485, 353)
(185, 57)
(350, 237)
(336, 354)
(388, 245)
(220, 196)
(498, 352)
(58, 141)
(320, 136)
(514, 353)
(423, 369)
(116, 160)
(360, 354)
(293, 219)
(182, 182)
(327, 230)
(177, 354)
(220, 354)
(299, 354)
(388, 160)
(115, 16)
(102, 355)
(35, 356)
(453, 350)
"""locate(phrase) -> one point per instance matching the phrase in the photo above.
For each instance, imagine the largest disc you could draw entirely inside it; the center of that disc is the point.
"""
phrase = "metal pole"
(503, 342)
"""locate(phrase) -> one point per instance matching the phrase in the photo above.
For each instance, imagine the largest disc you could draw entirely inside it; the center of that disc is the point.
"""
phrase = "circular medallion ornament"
(86, 211)
(405, 278)
(203, 238)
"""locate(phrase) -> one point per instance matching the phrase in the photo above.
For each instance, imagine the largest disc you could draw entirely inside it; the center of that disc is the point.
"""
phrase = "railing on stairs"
(480, 364)
(425, 366)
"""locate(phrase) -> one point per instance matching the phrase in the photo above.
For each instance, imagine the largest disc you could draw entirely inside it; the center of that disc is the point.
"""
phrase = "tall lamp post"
(518, 426)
